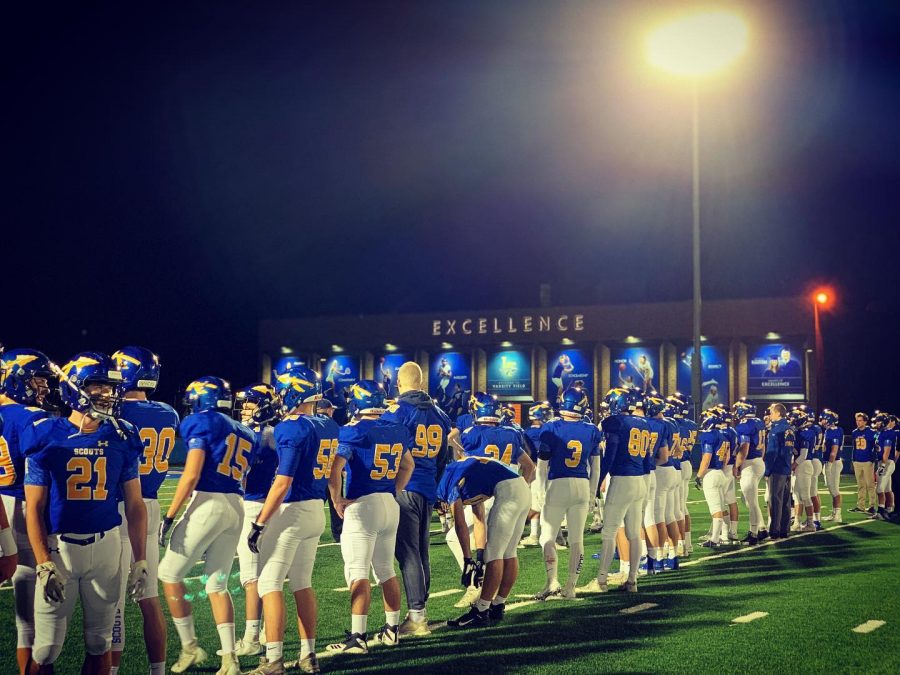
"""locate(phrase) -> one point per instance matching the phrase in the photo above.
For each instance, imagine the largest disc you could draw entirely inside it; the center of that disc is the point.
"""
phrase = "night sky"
(174, 173)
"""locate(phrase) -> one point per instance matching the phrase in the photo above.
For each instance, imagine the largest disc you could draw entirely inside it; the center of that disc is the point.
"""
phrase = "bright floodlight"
(822, 298)
(698, 44)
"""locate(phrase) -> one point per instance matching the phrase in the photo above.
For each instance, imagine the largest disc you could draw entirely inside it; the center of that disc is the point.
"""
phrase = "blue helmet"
(879, 419)
(828, 417)
(541, 412)
(622, 400)
(139, 367)
(507, 416)
(485, 407)
(85, 369)
(257, 404)
(574, 403)
(286, 363)
(712, 417)
(796, 417)
(367, 397)
(18, 368)
(654, 404)
(743, 408)
(674, 406)
(208, 393)
(298, 385)
(589, 416)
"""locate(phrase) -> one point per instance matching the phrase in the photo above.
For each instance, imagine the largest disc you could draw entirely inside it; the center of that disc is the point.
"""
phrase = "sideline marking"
(449, 591)
(519, 605)
(869, 626)
(638, 608)
(752, 616)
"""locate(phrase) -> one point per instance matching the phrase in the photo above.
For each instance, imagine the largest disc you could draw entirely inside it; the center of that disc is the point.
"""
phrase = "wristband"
(479, 555)
(8, 542)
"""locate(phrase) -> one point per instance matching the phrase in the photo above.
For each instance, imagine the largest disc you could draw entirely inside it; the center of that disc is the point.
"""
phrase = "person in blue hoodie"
(778, 459)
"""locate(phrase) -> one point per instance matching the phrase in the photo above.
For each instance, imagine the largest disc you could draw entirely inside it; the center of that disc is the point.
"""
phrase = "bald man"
(429, 427)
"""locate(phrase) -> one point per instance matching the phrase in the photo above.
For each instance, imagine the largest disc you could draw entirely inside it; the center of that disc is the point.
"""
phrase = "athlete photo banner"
(386, 368)
(287, 362)
(339, 373)
(571, 367)
(634, 367)
(450, 376)
(713, 374)
(775, 369)
(509, 373)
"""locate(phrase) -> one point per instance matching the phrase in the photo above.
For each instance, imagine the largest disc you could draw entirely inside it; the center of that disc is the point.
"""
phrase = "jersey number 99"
(428, 441)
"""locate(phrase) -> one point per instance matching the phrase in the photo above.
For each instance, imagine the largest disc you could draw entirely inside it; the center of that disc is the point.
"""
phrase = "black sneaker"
(750, 539)
(709, 543)
(354, 644)
(856, 509)
(472, 619)
(871, 511)
(762, 535)
(496, 612)
(388, 635)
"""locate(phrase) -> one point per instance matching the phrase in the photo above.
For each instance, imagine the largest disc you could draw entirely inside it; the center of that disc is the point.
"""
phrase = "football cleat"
(709, 543)
(191, 655)
(471, 595)
(309, 664)
(354, 644)
(594, 586)
(807, 527)
(818, 525)
(248, 647)
(651, 566)
(389, 636)
(471, 619)
(497, 612)
(567, 592)
(870, 511)
(829, 517)
(412, 627)
(856, 509)
(596, 525)
(629, 587)
(750, 539)
(553, 589)
(230, 665)
(530, 540)
(269, 668)
(762, 535)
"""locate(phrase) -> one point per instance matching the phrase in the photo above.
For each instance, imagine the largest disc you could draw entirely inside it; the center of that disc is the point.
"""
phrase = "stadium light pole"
(822, 299)
(695, 47)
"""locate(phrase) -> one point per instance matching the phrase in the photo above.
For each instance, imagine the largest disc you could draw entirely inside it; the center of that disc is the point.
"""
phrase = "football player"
(377, 458)
(472, 481)
(716, 451)
(803, 470)
(429, 426)
(887, 448)
(539, 415)
(258, 408)
(817, 454)
(729, 528)
(287, 529)
(25, 378)
(463, 422)
(834, 464)
(863, 451)
(76, 468)
(687, 432)
(219, 452)
(660, 510)
(627, 441)
(155, 424)
(749, 465)
(569, 465)
(488, 439)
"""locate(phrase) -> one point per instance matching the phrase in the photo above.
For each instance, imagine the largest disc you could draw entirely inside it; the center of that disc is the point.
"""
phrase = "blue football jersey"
(16, 420)
(717, 445)
(83, 472)
(688, 431)
(674, 444)
(627, 445)
(306, 447)
(863, 445)
(660, 435)
(501, 443)
(473, 479)
(732, 438)
(156, 424)
(568, 447)
(752, 430)
(534, 435)
(887, 440)
(465, 421)
(373, 450)
(428, 425)
(229, 447)
(806, 438)
(833, 436)
(261, 471)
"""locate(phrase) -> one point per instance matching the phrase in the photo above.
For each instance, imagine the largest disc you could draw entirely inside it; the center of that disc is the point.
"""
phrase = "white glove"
(137, 580)
(53, 582)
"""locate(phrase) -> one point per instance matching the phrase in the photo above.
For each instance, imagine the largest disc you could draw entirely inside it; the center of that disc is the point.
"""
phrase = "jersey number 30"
(157, 447)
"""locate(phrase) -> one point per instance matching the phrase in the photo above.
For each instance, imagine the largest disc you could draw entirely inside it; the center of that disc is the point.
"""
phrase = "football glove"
(698, 483)
(880, 469)
(478, 577)
(468, 573)
(164, 528)
(137, 580)
(256, 531)
(53, 583)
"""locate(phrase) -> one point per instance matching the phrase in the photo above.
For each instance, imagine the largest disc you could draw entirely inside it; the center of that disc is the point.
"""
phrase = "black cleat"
(496, 612)
(750, 539)
(762, 535)
(472, 619)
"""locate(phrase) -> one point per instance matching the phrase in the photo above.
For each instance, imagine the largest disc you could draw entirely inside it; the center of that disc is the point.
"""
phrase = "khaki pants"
(865, 481)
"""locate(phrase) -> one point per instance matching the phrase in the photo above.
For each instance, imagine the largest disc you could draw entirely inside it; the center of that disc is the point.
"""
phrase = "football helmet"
(367, 397)
(622, 401)
(796, 417)
(139, 367)
(712, 418)
(298, 385)
(743, 408)
(208, 393)
(25, 376)
(81, 372)
(485, 407)
(828, 417)
(879, 419)
(507, 416)
(574, 403)
(256, 405)
(540, 412)
(654, 404)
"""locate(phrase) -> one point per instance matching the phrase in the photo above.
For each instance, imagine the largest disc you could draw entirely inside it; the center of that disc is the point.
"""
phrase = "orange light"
(821, 298)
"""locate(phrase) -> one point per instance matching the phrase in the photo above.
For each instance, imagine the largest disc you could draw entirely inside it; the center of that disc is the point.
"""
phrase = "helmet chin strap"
(92, 411)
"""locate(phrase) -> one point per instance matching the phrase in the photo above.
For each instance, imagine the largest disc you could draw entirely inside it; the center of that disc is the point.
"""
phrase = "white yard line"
(638, 608)
(449, 591)
(869, 626)
(747, 618)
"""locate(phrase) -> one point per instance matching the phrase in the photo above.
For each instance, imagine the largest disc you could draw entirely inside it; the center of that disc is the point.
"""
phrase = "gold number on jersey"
(157, 448)
(638, 442)
(505, 456)
(82, 470)
(7, 468)
(382, 466)
(723, 451)
(234, 463)
(325, 458)
(573, 461)
(428, 440)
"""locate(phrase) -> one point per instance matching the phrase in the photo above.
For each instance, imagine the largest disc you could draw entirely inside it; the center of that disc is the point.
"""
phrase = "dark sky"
(175, 172)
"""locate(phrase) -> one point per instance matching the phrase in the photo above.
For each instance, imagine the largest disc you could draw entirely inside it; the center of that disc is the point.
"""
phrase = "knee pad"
(266, 585)
(300, 582)
(96, 642)
(608, 534)
(679, 511)
(217, 583)
(248, 577)
(165, 576)
(355, 573)
(649, 516)
(46, 654)
(384, 571)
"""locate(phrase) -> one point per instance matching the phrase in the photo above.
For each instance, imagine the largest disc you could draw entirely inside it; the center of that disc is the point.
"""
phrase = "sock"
(817, 517)
(679, 546)
(653, 552)
(535, 526)
(716, 530)
(114, 670)
(358, 623)
(732, 527)
(274, 651)
(671, 553)
(417, 614)
(687, 539)
(482, 605)
(307, 647)
(625, 567)
(643, 547)
(185, 628)
(251, 631)
(226, 637)
(498, 600)
(158, 668)
(392, 618)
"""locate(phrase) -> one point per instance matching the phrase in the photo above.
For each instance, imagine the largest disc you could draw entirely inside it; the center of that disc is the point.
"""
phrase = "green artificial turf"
(815, 588)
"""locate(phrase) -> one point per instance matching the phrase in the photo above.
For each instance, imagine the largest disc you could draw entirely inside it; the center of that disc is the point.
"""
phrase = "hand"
(164, 528)
(698, 483)
(53, 583)
(881, 469)
(137, 580)
(256, 531)
(737, 472)
(478, 577)
(793, 467)
(468, 574)
(8, 564)
(340, 504)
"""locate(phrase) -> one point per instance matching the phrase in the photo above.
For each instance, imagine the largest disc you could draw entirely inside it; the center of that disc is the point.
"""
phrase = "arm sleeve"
(289, 440)
(36, 470)
(595, 475)
(197, 432)
(347, 438)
